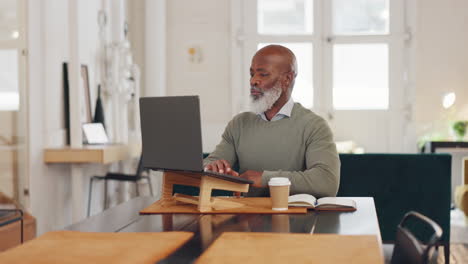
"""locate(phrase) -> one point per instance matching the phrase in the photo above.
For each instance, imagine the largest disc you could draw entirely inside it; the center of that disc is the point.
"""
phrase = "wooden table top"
(207, 228)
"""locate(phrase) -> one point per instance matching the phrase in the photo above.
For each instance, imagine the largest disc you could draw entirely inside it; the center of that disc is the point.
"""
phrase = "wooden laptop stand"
(206, 184)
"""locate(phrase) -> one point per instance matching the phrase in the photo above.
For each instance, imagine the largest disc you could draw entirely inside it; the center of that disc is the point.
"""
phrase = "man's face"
(264, 75)
(265, 83)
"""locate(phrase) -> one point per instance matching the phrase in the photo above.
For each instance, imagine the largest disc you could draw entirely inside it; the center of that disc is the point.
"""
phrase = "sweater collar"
(285, 111)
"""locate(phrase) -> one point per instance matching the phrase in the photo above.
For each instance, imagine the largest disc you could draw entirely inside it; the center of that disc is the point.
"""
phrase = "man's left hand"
(255, 176)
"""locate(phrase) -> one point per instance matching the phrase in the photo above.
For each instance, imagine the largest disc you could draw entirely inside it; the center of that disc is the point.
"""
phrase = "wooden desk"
(246, 247)
(125, 218)
(103, 154)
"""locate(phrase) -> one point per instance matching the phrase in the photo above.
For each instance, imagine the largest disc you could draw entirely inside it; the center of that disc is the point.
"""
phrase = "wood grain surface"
(250, 205)
(274, 248)
(458, 254)
(103, 154)
(87, 247)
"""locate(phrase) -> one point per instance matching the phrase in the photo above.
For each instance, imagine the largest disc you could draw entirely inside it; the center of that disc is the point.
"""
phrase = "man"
(282, 138)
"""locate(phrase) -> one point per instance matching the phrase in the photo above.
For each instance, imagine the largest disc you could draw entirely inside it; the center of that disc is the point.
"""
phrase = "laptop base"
(206, 184)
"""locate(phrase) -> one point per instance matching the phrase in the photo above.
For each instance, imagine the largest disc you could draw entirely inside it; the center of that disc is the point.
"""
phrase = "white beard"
(267, 100)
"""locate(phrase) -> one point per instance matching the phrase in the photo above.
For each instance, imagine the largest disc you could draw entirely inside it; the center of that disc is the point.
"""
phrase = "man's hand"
(255, 176)
(221, 166)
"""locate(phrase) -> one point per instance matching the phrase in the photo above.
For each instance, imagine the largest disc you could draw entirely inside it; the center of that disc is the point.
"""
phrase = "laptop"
(171, 136)
(95, 134)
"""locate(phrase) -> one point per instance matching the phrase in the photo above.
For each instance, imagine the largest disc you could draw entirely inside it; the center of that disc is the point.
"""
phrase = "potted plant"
(459, 128)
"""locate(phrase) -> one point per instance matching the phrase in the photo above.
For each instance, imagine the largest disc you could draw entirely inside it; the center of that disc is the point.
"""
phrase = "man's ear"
(287, 81)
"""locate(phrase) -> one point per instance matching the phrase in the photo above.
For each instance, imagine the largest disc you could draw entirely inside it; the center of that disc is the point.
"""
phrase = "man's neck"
(269, 114)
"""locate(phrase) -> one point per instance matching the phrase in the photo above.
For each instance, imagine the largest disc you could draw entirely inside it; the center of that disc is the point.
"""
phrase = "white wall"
(441, 61)
(137, 37)
(50, 185)
(441, 64)
(206, 24)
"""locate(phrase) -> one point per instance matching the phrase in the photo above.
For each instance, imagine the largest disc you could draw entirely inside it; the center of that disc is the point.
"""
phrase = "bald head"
(280, 56)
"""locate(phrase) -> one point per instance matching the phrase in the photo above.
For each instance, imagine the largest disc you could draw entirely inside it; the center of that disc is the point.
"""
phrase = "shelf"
(9, 147)
(102, 154)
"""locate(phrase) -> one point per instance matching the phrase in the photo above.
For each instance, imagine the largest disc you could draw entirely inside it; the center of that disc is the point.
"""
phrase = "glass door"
(350, 56)
(12, 108)
(364, 72)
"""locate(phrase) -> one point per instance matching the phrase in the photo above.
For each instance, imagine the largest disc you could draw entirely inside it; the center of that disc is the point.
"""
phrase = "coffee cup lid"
(279, 181)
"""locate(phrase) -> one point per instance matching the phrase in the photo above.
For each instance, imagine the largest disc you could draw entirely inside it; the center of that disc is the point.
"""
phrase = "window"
(342, 48)
(360, 76)
(350, 61)
(9, 96)
(360, 17)
(12, 113)
(285, 17)
(9, 44)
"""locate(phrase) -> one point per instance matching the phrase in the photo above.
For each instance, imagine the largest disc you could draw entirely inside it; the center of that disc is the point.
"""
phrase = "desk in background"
(103, 154)
(458, 150)
(432, 146)
(87, 154)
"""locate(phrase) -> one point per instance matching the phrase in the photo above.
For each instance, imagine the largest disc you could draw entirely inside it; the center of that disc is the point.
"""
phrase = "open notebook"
(322, 204)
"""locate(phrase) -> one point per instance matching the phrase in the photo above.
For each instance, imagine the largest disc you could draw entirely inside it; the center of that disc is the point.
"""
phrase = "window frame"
(245, 37)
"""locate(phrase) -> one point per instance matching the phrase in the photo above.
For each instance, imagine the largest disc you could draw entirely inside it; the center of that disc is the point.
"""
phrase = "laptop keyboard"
(227, 176)
(217, 173)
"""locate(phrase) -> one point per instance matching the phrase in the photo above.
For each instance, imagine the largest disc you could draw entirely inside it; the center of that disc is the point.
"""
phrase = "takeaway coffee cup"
(279, 192)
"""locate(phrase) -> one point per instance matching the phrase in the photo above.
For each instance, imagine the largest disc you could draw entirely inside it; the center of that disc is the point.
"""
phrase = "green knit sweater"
(299, 147)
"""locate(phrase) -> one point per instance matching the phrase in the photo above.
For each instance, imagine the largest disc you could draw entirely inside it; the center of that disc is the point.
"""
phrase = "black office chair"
(120, 177)
(408, 248)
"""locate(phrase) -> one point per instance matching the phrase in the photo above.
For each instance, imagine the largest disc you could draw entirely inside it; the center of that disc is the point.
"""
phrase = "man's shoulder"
(241, 120)
(244, 117)
(303, 114)
(308, 119)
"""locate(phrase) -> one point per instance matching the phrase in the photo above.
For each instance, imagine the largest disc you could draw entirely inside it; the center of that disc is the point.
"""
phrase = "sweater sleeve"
(322, 175)
(225, 149)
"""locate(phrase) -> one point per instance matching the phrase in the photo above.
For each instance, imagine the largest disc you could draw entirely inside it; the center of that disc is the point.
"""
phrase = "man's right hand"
(221, 166)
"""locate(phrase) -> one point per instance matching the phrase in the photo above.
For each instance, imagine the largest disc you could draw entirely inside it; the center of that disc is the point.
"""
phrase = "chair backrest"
(140, 168)
(410, 249)
(400, 183)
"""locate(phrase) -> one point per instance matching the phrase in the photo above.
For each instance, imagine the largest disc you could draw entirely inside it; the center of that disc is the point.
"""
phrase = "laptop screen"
(171, 133)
